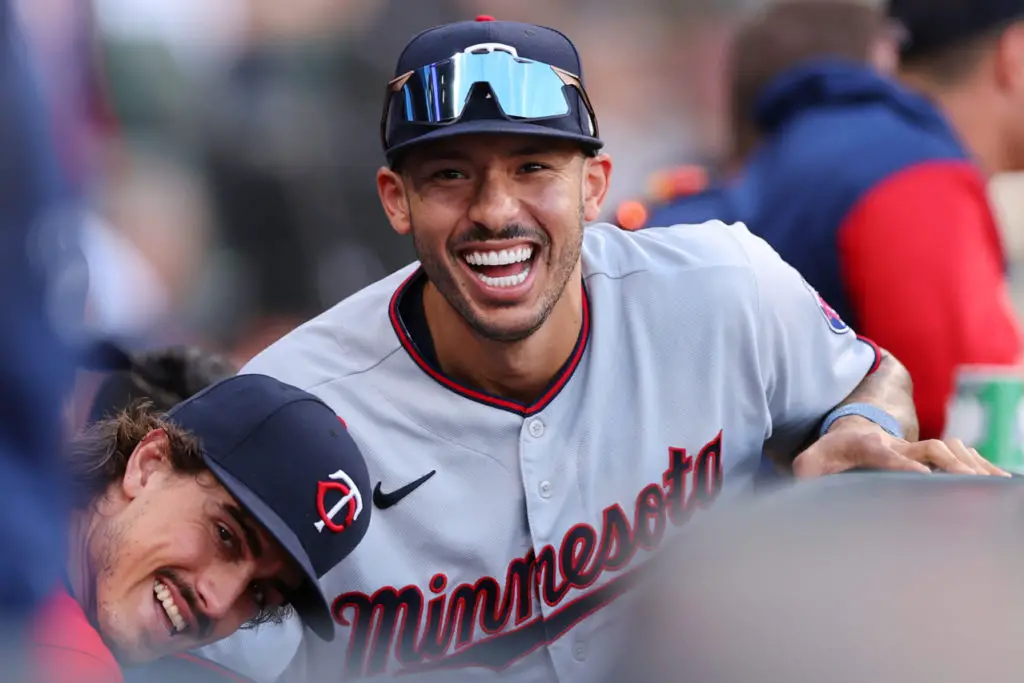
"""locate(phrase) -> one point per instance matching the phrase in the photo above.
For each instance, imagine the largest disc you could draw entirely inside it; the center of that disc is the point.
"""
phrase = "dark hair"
(98, 458)
(165, 377)
(785, 35)
(950, 64)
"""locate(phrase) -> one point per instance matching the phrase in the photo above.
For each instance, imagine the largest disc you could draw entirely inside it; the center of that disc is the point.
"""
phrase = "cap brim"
(308, 600)
(494, 127)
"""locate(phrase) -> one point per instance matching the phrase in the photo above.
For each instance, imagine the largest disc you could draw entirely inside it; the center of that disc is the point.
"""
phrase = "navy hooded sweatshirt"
(864, 188)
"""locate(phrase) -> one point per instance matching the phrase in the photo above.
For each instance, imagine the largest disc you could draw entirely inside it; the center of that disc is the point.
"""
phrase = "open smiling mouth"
(166, 600)
(502, 269)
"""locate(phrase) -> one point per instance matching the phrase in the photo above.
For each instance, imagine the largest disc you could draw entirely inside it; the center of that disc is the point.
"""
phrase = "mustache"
(512, 231)
(204, 624)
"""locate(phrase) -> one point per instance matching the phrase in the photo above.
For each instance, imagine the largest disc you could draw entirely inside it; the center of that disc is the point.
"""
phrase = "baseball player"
(163, 377)
(540, 404)
(186, 526)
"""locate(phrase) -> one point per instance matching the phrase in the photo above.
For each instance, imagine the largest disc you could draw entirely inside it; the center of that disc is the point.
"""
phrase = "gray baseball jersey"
(506, 533)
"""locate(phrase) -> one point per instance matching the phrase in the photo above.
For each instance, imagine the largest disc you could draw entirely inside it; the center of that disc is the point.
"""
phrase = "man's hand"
(856, 443)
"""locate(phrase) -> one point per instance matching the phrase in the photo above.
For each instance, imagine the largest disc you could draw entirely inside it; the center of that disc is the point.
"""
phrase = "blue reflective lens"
(524, 89)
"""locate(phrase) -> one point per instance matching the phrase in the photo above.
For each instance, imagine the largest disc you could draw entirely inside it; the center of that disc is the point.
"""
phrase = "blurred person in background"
(42, 294)
(791, 32)
(185, 528)
(147, 244)
(163, 376)
(135, 218)
(877, 193)
(765, 46)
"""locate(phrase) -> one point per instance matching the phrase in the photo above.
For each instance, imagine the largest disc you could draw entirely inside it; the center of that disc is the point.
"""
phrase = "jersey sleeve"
(809, 358)
(261, 654)
(922, 260)
(66, 647)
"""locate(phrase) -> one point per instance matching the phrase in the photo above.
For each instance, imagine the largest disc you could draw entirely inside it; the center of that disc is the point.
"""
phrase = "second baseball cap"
(487, 76)
(288, 459)
(930, 25)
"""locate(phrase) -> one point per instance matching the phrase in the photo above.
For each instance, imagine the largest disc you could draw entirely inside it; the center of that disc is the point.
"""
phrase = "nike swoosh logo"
(385, 500)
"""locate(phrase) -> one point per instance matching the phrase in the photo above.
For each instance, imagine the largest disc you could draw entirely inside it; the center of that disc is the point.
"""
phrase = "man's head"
(165, 376)
(971, 51)
(792, 32)
(222, 513)
(493, 168)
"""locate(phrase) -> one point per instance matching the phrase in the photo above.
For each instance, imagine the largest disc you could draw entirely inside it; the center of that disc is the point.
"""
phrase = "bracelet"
(868, 412)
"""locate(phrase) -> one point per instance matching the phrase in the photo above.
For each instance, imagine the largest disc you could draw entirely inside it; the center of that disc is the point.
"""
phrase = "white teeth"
(504, 257)
(506, 280)
(163, 595)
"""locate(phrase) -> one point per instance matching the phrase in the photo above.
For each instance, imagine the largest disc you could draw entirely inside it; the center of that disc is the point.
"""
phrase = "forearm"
(890, 388)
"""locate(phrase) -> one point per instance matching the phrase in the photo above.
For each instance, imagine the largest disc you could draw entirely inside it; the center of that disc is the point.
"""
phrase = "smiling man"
(188, 526)
(542, 404)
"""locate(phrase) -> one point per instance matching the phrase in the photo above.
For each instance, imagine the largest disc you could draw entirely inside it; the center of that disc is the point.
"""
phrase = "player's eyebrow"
(252, 539)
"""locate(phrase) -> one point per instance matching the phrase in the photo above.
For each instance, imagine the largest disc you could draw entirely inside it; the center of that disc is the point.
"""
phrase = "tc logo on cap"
(345, 510)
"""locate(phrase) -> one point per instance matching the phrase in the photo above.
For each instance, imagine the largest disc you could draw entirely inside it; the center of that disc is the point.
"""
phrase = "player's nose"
(221, 589)
(494, 204)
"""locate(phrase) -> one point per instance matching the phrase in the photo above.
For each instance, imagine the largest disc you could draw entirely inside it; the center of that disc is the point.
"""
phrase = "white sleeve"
(810, 359)
(262, 653)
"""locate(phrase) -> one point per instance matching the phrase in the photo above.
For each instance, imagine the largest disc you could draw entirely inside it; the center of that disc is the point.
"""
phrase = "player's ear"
(391, 188)
(597, 173)
(149, 458)
(1009, 58)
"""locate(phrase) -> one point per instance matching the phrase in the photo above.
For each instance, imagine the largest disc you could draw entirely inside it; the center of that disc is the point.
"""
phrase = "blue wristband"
(868, 412)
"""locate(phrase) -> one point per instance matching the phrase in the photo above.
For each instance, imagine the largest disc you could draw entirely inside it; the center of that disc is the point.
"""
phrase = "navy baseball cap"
(931, 25)
(288, 459)
(487, 76)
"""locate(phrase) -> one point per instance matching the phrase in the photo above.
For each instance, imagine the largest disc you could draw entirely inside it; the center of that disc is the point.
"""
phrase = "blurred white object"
(1007, 193)
(195, 31)
(126, 296)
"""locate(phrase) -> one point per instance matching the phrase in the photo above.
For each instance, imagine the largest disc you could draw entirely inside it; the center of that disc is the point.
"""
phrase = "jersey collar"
(560, 380)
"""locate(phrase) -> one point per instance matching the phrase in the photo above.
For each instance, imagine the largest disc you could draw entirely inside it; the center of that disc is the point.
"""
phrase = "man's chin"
(507, 326)
(511, 320)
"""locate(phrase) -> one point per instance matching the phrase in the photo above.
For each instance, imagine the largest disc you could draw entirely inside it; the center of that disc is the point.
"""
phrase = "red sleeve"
(922, 262)
(67, 648)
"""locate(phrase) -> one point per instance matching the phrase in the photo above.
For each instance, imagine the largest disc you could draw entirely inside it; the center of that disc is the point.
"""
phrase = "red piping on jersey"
(481, 397)
(876, 349)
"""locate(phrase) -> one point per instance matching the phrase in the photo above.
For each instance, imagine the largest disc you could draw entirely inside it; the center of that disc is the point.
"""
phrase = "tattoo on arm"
(890, 388)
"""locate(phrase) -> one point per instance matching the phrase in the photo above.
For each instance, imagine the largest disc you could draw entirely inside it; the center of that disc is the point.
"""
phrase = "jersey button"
(579, 652)
(545, 489)
(536, 428)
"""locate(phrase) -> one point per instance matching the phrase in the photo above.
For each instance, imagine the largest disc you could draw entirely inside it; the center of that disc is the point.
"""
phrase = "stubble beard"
(113, 626)
(441, 270)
